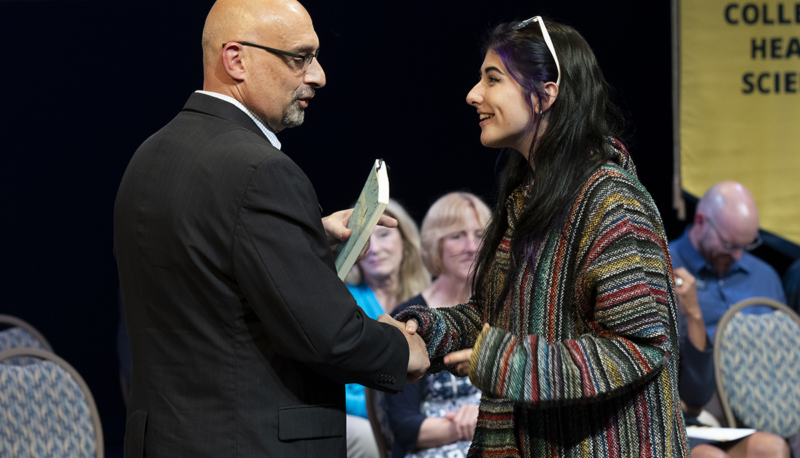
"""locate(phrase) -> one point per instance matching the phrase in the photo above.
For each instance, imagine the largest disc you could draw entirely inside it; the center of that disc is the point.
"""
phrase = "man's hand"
(461, 358)
(464, 421)
(418, 362)
(691, 411)
(336, 229)
(686, 290)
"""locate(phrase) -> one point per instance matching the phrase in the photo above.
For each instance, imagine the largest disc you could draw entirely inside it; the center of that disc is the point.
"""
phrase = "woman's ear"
(551, 89)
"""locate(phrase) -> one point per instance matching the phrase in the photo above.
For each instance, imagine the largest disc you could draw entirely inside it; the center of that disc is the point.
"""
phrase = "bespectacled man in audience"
(713, 271)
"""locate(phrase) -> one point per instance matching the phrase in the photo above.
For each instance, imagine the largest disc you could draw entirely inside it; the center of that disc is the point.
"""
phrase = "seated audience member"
(715, 248)
(696, 382)
(791, 284)
(392, 272)
(715, 271)
(437, 416)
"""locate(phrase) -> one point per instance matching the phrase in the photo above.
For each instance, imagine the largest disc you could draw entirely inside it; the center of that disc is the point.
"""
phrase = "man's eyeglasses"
(729, 247)
(306, 58)
(547, 40)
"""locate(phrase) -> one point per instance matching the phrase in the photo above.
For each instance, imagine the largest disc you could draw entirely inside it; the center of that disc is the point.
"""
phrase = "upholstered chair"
(46, 409)
(757, 363)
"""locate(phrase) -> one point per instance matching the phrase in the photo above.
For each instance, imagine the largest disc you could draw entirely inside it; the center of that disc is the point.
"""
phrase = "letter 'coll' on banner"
(737, 103)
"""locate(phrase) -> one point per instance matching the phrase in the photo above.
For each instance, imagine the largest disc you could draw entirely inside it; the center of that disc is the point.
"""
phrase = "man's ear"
(699, 218)
(232, 61)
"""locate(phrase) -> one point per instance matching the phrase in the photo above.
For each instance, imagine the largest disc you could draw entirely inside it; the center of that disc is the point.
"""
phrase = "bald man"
(242, 335)
(714, 270)
(715, 250)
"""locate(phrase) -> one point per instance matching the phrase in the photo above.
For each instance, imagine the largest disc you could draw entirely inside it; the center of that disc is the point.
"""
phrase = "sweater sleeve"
(445, 330)
(625, 296)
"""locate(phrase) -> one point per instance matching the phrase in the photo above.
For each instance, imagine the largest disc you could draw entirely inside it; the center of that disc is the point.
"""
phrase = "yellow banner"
(739, 85)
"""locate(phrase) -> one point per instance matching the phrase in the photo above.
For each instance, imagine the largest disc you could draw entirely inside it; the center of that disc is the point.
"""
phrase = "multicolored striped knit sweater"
(581, 358)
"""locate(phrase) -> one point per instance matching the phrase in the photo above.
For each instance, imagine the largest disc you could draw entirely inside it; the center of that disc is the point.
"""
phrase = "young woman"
(579, 356)
(436, 416)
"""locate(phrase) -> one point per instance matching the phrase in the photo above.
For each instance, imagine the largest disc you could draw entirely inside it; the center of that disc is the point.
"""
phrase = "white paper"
(717, 434)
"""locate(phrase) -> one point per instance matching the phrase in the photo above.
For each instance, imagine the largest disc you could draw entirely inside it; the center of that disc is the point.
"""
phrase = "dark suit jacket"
(241, 333)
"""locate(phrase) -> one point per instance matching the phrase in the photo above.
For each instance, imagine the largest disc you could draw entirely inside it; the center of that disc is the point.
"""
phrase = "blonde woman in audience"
(437, 415)
(391, 273)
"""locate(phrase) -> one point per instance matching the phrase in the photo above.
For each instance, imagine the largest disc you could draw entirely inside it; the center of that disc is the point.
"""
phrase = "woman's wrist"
(436, 432)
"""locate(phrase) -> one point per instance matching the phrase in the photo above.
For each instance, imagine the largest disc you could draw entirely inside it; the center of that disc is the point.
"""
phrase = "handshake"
(418, 362)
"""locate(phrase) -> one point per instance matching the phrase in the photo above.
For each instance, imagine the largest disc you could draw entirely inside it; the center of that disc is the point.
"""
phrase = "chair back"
(379, 420)
(20, 334)
(757, 364)
(46, 409)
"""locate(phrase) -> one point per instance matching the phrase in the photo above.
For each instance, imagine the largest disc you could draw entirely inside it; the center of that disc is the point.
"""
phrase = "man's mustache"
(304, 93)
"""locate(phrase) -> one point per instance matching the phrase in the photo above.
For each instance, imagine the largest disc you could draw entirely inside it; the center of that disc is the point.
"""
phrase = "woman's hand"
(464, 421)
(412, 326)
(453, 427)
(460, 358)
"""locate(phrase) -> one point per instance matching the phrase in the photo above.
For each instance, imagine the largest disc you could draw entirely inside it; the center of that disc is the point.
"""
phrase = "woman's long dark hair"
(581, 121)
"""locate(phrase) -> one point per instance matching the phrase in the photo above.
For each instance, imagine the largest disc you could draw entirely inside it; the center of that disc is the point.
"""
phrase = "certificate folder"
(369, 208)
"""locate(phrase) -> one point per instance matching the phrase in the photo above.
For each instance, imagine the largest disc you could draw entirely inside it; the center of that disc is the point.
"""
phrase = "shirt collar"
(697, 262)
(267, 133)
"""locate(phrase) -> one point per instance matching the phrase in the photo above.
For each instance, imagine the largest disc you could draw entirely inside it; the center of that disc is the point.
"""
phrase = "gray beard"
(294, 114)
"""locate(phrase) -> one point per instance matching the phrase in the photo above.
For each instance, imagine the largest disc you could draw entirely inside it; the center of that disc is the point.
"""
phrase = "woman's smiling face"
(385, 253)
(505, 118)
